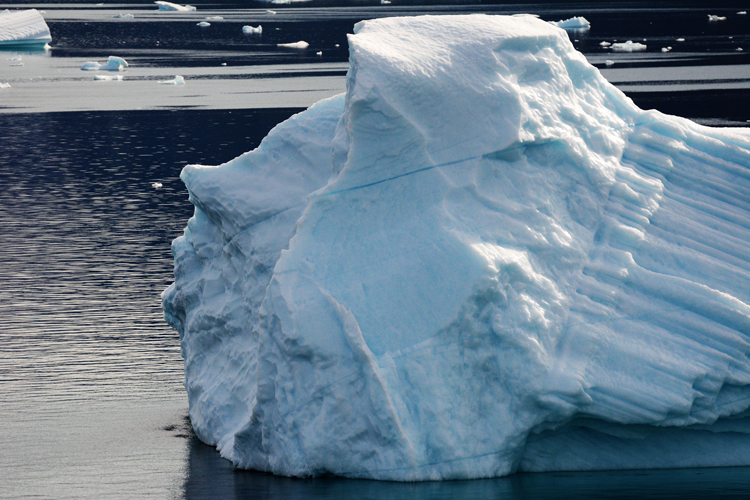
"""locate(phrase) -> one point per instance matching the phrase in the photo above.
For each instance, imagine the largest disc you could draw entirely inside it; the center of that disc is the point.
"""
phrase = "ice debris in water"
(666, 49)
(385, 2)
(169, 6)
(156, 185)
(124, 16)
(742, 13)
(113, 63)
(214, 18)
(713, 18)
(109, 78)
(295, 45)
(629, 46)
(204, 24)
(680, 40)
(605, 44)
(482, 259)
(574, 23)
(178, 80)
(249, 30)
(270, 12)
(609, 62)
(4, 85)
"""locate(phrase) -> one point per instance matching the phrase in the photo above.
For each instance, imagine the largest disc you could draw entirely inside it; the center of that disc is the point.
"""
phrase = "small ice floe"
(295, 45)
(738, 49)
(742, 13)
(16, 58)
(337, 45)
(250, 30)
(169, 6)
(605, 44)
(574, 23)
(178, 80)
(123, 16)
(385, 2)
(680, 40)
(108, 78)
(609, 62)
(270, 12)
(156, 185)
(214, 18)
(666, 49)
(629, 46)
(713, 18)
(204, 24)
(4, 85)
(319, 53)
(114, 63)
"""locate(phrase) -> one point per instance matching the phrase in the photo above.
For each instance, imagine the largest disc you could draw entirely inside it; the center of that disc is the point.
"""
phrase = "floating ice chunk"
(250, 30)
(609, 62)
(337, 45)
(739, 49)
(109, 78)
(574, 23)
(215, 18)
(295, 45)
(4, 85)
(319, 53)
(25, 28)
(178, 80)
(270, 12)
(742, 13)
(204, 24)
(385, 2)
(123, 16)
(15, 58)
(114, 63)
(680, 40)
(713, 18)
(629, 46)
(169, 6)
(605, 44)
(666, 49)
(156, 185)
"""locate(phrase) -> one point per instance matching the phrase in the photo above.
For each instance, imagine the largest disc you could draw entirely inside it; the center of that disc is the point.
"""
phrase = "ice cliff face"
(483, 258)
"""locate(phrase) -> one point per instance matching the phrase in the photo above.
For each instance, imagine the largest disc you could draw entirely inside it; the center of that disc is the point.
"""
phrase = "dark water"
(91, 396)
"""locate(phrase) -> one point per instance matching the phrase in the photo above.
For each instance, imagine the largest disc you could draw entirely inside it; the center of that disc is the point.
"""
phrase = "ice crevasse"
(483, 258)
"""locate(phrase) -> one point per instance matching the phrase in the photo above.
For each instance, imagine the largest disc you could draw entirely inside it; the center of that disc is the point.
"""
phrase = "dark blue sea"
(91, 397)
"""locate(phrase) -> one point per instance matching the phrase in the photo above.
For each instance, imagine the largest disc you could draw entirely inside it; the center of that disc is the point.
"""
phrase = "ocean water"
(91, 396)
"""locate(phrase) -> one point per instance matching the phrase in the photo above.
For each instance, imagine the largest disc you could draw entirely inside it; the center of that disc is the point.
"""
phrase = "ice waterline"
(483, 258)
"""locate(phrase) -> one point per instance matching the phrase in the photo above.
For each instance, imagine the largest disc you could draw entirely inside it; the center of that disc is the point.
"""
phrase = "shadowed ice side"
(23, 29)
(483, 258)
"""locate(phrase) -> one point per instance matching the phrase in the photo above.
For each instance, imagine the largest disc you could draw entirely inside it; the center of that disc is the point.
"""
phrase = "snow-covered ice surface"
(23, 28)
(574, 23)
(113, 63)
(482, 258)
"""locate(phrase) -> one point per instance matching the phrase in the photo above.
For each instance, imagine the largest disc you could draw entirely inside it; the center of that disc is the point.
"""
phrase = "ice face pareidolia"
(482, 258)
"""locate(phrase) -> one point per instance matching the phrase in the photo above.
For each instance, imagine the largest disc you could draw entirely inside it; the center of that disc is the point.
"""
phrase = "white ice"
(482, 259)
(250, 30)
(629, 46)
(4, 85)
(23, 28)
(295, 45)
(178, 80)
(713, 18)
(108, 78)
(113, 63)
(169, 6)
(123, 16)
(574, 23)
(204, 24)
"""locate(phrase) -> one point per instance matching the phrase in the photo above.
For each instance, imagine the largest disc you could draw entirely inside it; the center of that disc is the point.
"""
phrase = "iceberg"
(113, 63)
(169, 6)
(295, 45)
(629, 46)
(482, 258)
(178, 80)
(251, 30)
(25, 28)
(574, 23)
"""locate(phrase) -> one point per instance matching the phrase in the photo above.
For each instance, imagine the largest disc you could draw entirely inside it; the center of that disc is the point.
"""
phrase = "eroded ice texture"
(23, 28)
(482, 258)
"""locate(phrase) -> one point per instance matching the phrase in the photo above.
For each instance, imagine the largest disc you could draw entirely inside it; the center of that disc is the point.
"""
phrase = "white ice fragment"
(739, 49)
(15, 58)
(250, 30)
(294, 45)
(574, 23)
(113, 63)
(214, 18)
(609, 62)
(4, 85)
(666, 49)
(319, 53)
(629, 46)
(713, 18)
(178, 80)
(156, 185)
(337, 45)
(169, 6)
(25, 28)
(204, 24)
(385, 2)
(109, 78)
(680, 40)
(605, 44)
(742, 13)
(123, 16)
(270, 12)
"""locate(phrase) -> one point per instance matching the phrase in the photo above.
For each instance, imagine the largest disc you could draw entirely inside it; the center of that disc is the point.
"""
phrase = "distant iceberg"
(250, 30)
(169, 6)
(114, 63)
(178, 80)
(482, 259)
(295, 45)
(629, 46)
(574, 23)
(25, 28)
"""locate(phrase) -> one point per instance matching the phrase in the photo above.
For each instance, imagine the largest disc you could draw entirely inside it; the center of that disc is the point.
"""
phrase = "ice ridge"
(482, 258)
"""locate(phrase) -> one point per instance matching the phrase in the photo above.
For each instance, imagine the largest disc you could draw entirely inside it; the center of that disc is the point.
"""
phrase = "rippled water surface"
(91, 396)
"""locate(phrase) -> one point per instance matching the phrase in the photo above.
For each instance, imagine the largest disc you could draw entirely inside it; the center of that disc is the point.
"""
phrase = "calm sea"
(91, 396)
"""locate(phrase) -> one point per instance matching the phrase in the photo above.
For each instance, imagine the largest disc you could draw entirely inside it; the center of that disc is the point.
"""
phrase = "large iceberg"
(483, 258)
(24, 28)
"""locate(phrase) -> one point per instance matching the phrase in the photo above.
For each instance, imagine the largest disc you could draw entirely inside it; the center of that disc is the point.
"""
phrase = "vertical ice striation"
(482, 257)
